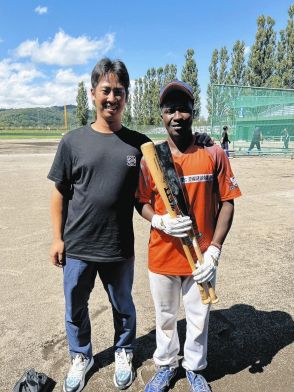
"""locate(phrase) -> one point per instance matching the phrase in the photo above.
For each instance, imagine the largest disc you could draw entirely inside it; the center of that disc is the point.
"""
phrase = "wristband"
(218, 246)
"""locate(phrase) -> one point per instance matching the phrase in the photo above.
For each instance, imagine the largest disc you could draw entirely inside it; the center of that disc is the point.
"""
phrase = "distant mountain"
(50, 117)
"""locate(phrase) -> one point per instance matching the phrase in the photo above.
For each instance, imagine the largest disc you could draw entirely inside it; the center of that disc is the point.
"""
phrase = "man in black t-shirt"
(96, 171)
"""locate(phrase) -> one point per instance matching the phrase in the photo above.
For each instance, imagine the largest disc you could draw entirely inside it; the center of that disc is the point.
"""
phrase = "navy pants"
(79, 280)
(253, 143)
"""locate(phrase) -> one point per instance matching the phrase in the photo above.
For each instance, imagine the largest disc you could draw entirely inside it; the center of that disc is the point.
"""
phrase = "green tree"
(223, 66)
(151, 88)
(82, 105)
(236, 74)
(213, 79)
(160, 76)
(94, 111)
(190, 76)
(261, 63)
(169, 73)
(285, 54)
(127, 113)
(146, 101)
(137, 102)
(154, 94)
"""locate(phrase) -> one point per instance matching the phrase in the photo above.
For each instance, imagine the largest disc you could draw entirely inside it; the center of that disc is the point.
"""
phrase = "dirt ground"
(251, 329)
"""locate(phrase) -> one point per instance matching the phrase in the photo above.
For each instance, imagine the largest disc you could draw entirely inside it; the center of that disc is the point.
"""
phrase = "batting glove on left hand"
(207, 271)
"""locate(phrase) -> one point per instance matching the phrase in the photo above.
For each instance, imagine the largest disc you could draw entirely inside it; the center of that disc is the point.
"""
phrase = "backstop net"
(244, 108)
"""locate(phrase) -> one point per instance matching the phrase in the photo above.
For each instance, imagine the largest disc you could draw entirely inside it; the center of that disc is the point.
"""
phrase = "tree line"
(142, 106)
(270, 64)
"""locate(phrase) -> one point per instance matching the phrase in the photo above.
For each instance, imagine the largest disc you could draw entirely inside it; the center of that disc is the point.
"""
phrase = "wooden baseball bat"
(151, 158)
(172, 178)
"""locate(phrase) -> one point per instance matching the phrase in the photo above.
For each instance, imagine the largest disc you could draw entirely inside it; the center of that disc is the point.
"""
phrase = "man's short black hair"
(225, 128)
(106, 66)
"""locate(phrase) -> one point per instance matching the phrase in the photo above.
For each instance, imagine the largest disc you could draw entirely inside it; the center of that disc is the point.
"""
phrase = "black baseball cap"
(176, 85)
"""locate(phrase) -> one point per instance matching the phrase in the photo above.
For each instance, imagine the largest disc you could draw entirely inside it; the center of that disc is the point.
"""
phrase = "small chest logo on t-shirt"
(131, 160)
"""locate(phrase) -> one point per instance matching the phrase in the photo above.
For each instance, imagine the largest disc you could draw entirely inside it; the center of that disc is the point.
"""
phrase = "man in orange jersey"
(210, 188)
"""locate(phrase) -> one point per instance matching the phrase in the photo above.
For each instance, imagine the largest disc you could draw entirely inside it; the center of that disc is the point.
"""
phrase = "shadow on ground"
(239, 337)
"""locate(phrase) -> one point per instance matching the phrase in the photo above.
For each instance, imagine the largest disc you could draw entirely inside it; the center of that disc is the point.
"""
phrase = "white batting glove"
(176, 227)
(207, 271)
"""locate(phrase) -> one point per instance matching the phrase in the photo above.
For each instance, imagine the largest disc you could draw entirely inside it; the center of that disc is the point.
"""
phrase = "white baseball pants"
(166, 290)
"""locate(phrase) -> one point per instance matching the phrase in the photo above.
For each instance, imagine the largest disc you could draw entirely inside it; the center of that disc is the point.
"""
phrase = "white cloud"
(41, 10)
(67, 76)
(64, 50)
(23, 85)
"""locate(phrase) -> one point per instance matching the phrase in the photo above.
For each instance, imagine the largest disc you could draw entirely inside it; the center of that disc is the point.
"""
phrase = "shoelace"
(199, 383)
(122, 361)
(159, 377)
(78, 367)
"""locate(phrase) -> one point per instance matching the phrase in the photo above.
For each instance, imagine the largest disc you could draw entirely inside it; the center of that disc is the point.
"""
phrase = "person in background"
(256, 139)
(225, 140)
(285, 138)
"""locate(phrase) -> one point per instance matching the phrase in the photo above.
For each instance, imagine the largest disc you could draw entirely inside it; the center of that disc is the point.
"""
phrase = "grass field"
(30, 133)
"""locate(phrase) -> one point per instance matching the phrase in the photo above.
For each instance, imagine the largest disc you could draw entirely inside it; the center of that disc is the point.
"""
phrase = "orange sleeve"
(227, 184)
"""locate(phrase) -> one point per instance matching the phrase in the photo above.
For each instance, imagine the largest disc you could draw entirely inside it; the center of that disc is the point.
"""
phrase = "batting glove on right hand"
(176, 227)
(207, 271)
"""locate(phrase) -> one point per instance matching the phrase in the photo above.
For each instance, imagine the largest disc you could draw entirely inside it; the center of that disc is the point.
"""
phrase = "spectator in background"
(256, 139)
(225, 140)
(285, 138)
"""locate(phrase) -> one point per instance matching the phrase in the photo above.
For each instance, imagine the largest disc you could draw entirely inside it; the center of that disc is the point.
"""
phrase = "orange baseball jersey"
(207, 179)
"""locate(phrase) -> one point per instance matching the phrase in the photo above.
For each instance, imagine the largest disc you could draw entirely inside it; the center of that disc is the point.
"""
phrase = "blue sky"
(47, 47)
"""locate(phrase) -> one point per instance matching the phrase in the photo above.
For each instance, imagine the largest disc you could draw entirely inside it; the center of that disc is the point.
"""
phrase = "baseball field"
(251, 330)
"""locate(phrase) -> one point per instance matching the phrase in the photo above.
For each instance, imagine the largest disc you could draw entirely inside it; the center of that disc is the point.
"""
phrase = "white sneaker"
(75, 378)
(124, 373)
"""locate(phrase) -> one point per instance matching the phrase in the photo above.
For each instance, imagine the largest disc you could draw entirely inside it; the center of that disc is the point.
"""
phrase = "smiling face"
(177, 115)
(110, 98)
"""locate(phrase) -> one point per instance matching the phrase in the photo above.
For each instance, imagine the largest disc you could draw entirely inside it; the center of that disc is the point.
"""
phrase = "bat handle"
(203, 293)
(213, 298)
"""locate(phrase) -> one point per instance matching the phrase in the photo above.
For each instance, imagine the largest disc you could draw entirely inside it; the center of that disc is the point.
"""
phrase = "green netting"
(244, 108)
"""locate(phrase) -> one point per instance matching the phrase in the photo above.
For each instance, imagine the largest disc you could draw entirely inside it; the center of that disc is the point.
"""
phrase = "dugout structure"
(243, 108)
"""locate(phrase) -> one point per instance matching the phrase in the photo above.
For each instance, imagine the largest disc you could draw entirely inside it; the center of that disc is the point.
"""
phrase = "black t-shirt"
(100, 174)
(225, 137)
